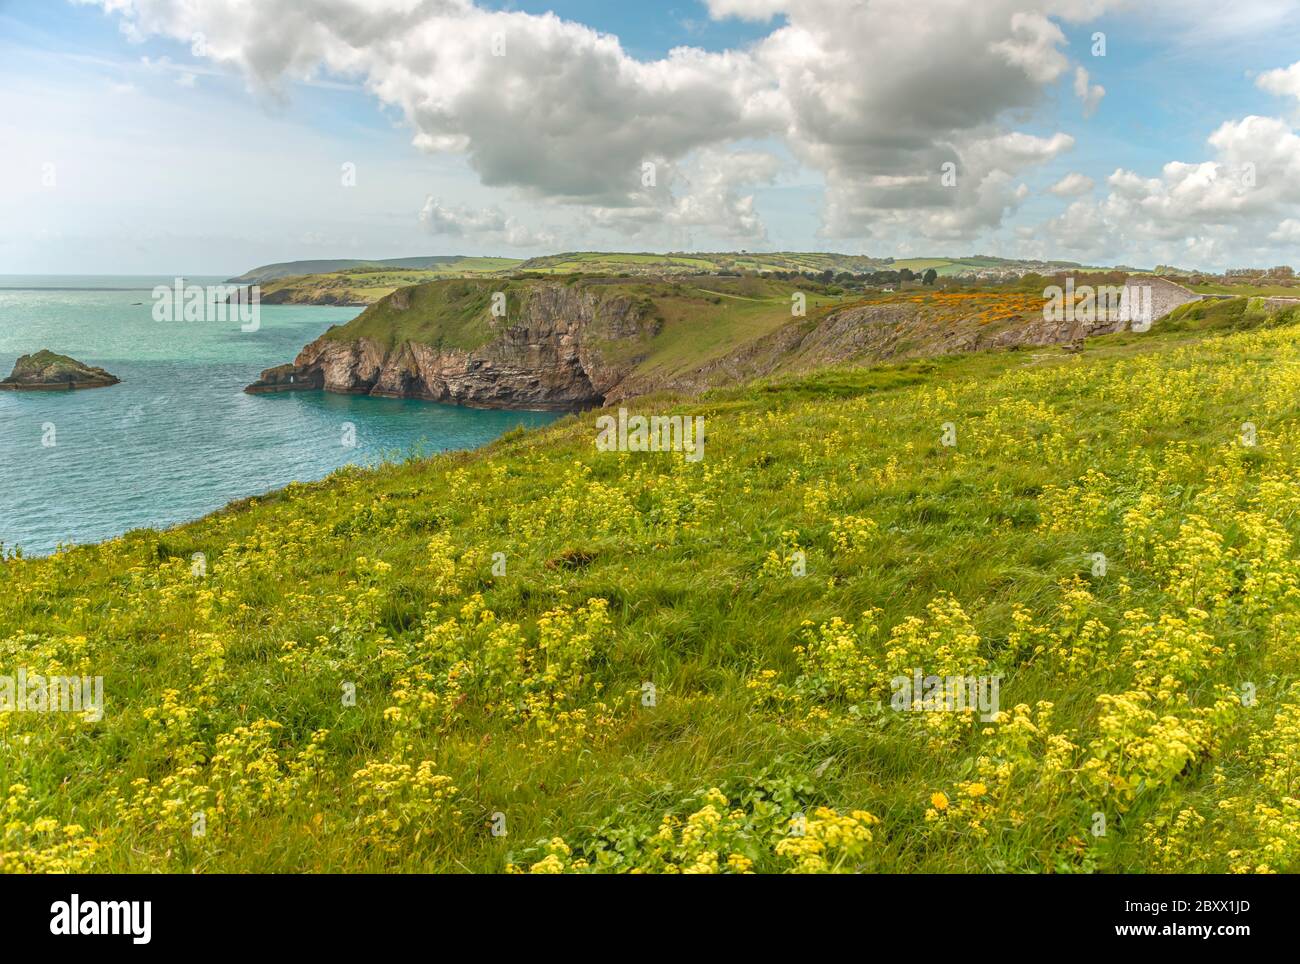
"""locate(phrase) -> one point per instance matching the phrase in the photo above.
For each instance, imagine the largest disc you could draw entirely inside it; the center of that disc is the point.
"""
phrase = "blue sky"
(820, 127)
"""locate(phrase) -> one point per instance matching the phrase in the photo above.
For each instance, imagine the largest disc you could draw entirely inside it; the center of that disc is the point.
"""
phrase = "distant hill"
(694, 263)
(975, 264)
(366, 283)
(287, 269)
(338, 282)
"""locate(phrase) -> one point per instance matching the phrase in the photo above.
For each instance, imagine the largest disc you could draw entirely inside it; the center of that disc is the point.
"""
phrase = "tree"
(929, 276)
(905, 274)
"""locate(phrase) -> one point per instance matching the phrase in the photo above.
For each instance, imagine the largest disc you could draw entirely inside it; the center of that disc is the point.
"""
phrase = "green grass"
(366, 285)
(706, 319)
(1228, 313)
(1247, 290)
(921, 264)
(442, 264)
(315, 282)
(697, 262)
(527, 689)
(445, 314)
(945, 267)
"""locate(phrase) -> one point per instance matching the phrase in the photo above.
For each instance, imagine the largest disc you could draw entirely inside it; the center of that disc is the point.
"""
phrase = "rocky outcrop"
(289, 294)
(563, 349)
(344, 298)
(47, 371)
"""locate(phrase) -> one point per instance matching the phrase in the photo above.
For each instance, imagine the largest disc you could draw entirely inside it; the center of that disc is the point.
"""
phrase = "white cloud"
(548, 107)
(1284, 81)
(1072, 185)
(710, 198)
(484, 225)
(932, 206)
(879, 97)
(1287, 232)
(1222, 211)
(745, 9)
(1035, 47)
(874, 96)
(1089, 95)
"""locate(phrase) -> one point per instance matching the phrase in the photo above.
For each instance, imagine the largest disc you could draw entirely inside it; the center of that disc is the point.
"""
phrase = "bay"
(179, 438)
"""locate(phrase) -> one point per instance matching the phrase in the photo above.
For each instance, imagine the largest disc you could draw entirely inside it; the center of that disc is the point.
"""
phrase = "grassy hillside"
(342, 287)
(366, 285)
(1247, 290)
(651, 684)
(440, 265)
(599, 262)
(334, 282)
(945, 267)
(701, 316)
(448, 314)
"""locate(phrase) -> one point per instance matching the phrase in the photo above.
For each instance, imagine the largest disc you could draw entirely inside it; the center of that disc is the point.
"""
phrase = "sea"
(178, 437)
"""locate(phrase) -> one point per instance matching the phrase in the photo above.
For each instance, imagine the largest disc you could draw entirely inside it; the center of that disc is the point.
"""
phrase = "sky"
(210, 136)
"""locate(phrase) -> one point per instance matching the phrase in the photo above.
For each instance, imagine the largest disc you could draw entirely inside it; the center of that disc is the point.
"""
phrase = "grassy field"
(347, 287)
(543, 657)
(1247, 290)
(448, 314)
(441, 265)
(953, 266)
(368, 283)
(704, 318)
(363, 286)
(599, 262)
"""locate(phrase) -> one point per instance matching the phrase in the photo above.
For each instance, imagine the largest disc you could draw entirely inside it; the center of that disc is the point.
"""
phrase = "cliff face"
(554, 353)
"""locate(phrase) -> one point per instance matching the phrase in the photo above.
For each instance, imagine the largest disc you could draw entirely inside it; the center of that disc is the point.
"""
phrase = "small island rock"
(47, 370)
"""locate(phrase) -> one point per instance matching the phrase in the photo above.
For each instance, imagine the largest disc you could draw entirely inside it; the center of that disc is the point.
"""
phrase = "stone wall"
(1166, 295)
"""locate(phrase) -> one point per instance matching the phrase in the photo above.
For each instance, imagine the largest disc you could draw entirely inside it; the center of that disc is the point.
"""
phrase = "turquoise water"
(178, 437)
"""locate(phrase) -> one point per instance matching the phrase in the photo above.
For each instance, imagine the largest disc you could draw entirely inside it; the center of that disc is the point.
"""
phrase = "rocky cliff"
(559, 347)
